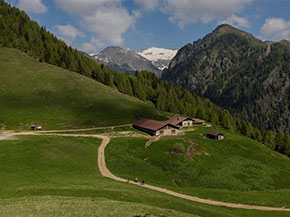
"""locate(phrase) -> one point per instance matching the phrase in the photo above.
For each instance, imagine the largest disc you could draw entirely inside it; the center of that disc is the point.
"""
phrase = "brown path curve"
(107, 173)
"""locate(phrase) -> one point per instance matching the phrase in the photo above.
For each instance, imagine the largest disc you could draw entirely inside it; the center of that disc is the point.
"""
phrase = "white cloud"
(109, 24)
(106, 18)
(32, 6)
(237, 21)
(92, 46)
(185, 12)
(84, 7)
(147, 4)
(68, 33)
(276, 28)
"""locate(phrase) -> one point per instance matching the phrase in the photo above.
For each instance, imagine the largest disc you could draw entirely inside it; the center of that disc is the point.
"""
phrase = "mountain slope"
(238, 72)
(123, 60)
(39, 93)
(160, 57)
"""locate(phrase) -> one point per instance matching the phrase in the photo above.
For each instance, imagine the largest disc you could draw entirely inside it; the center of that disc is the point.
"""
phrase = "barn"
(215, 135)
(156, 128)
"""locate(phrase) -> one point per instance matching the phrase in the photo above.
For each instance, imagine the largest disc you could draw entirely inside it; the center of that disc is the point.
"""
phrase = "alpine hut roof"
(177, 119)
(198, 121)
(152, 124)
(213, 133)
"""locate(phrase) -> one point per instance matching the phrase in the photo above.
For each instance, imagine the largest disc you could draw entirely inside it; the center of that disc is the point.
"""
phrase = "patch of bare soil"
(8, 137)
(193, 150)
(151, 140)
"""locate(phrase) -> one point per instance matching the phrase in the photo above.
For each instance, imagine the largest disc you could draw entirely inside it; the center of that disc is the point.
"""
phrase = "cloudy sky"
(91, 25)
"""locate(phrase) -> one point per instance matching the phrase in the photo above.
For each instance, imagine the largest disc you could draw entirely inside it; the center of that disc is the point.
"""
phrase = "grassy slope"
(236, 169)
(57, 176)
(33, 92)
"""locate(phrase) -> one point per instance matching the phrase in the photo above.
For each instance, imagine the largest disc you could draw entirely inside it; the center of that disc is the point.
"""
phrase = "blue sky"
(91, 25)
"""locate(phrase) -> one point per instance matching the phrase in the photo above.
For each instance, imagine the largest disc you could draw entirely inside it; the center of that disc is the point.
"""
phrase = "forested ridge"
(18, 31)
(238, 72)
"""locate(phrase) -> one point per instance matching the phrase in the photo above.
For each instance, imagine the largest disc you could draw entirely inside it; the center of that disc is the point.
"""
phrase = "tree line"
(18, 31)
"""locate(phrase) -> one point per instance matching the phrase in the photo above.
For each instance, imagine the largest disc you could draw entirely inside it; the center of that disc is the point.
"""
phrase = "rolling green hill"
(236, 169)
(57, 176)
(38, 93)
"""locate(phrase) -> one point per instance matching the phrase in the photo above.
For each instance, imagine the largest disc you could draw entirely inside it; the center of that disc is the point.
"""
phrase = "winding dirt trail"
(107, 173)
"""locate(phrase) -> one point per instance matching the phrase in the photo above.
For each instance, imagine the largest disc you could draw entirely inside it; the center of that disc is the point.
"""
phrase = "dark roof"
(152, 124)
(213, 133)
(198, 121)
(177, 119)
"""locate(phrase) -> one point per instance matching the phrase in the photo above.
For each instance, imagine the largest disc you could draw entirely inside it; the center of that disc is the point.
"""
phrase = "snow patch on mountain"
(160, 57)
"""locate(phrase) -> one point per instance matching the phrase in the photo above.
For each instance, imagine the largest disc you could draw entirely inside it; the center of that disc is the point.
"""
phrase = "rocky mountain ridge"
(124, 60)
(239, 72)
(153, 59)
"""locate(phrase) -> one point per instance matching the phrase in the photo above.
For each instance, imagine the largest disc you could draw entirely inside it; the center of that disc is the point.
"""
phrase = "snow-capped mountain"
(124, 60)
(153, 59)
(160, 57)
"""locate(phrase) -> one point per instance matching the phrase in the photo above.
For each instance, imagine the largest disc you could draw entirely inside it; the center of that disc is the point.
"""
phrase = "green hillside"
(58, 176)
(237, 169)
(38, 93)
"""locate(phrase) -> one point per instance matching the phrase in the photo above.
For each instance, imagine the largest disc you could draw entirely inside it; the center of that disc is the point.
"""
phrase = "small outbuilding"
(215, 135)
(32, 127)
(156, 128)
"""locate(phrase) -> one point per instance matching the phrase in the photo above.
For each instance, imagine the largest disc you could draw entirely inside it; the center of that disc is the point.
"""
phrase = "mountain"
(160, 57)
(124, 60)
(238, 72)
(152, 59)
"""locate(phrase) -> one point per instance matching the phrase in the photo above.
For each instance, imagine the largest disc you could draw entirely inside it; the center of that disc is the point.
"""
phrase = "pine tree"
(279, 142)
(269, 139)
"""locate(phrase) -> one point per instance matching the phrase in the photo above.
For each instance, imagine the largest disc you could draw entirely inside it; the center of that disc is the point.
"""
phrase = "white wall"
(186, 123)
(167, 132)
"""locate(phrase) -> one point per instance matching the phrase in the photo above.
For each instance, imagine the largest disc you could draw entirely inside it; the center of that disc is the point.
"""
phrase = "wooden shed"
(215, 135)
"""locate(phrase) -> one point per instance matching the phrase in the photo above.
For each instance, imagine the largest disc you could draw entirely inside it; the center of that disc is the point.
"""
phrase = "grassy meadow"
(58, 176)
(38, 93)
(236, 169)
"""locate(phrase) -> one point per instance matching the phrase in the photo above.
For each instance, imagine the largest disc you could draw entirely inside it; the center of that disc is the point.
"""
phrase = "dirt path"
(86, 129)
(106, 173)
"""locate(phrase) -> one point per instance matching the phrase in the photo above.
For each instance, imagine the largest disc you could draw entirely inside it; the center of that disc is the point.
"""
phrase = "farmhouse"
(156, 128)
(184, 121)
(215, 135)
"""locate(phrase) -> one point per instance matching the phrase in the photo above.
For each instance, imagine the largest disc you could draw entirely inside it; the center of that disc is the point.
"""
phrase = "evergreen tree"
(269, 139)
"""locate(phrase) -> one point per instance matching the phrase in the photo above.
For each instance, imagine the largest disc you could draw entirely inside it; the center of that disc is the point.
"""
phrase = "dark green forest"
(18, 31)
